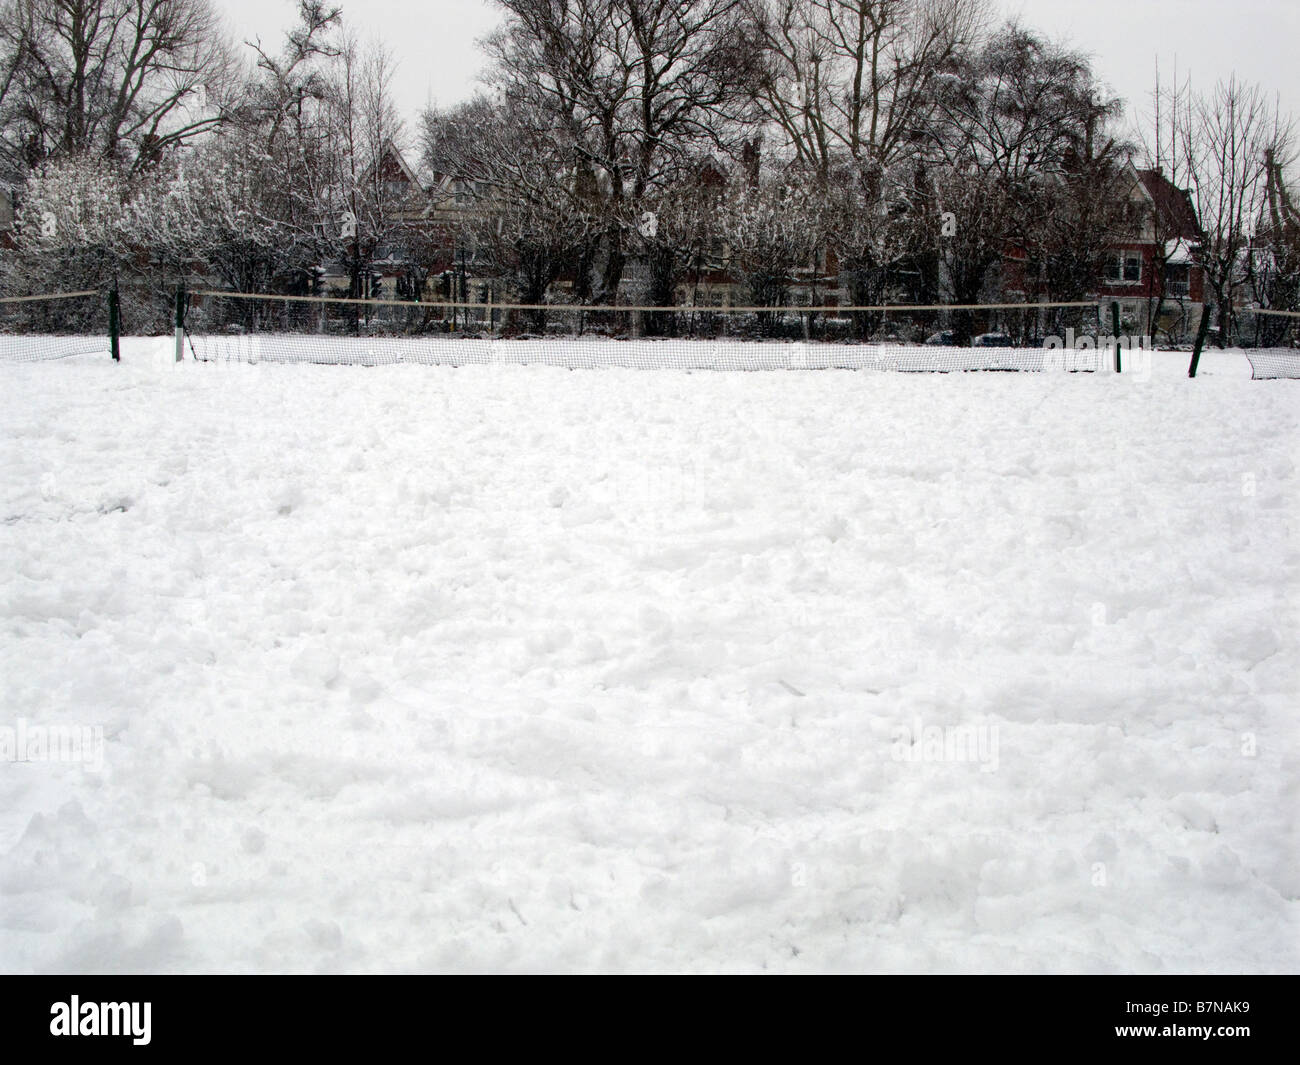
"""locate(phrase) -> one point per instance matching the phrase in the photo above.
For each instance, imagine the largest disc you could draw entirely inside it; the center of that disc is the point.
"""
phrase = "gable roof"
(1172, 204)
(393, 166)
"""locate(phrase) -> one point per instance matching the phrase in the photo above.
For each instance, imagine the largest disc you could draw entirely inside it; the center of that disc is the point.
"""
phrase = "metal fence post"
(1114, 322)
(180, 321)
(1201, 334)
(114, 324)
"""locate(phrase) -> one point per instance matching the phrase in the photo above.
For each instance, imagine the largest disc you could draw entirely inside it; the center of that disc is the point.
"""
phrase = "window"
(1135, 215)
(1178, 280)
(1123, 267)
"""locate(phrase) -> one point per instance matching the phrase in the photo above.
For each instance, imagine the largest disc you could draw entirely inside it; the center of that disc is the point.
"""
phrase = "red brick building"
(1152, 272)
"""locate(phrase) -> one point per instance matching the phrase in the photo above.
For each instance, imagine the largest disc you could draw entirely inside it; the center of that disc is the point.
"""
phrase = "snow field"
(518, 668)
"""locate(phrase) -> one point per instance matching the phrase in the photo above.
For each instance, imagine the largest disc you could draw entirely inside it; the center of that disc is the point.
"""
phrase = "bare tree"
(1019, 132)
(852, 87)
(226, 217)
(679, 238)
(1077, 211)
(514, 195)
(124, 80)
(1274, 261)
(771, 230)
(857, 78)
(1171, 247)
(287, 121)
(1225, 141)
(632, 90)
(320, 114)
(366, 190)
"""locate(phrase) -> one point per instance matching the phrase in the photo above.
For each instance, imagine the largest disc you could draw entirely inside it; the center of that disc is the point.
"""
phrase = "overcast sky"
(434, 40)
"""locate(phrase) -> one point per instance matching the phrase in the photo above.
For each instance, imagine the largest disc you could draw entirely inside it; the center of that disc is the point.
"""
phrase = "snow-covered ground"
(521, 668)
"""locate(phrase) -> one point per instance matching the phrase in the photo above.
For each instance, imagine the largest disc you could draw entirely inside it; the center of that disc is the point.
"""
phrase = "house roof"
(1172, 204)
(393, 164)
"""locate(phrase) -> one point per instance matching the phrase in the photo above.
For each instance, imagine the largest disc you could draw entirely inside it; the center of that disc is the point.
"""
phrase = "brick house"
(418, 255)
(1152, 272)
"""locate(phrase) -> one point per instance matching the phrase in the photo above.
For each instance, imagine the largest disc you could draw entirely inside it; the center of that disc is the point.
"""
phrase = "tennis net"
(230, 327)
(1271, 341)
(55, 326)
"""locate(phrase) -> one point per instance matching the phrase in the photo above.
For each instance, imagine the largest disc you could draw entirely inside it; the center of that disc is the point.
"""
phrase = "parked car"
(993, 340)
(946, 339)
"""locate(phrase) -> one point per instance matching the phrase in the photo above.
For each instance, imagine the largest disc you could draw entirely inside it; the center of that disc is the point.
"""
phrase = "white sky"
(434, 40)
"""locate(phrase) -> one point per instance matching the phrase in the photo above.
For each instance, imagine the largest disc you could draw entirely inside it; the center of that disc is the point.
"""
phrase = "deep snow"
(519, 668)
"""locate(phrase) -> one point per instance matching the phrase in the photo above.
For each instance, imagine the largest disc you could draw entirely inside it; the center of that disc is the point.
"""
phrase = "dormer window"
(1135, 213)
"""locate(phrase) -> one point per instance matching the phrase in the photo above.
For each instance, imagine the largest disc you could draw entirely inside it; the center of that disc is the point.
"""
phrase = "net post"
(114, 324)
(180, 322)
(1114, 323)
(1201, 333)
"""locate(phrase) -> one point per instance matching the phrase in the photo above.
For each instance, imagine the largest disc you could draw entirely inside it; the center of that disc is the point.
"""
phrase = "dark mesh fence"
(148, 309)
(1271, 341)
(39, 328)
(224, 327)
(283, 329)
